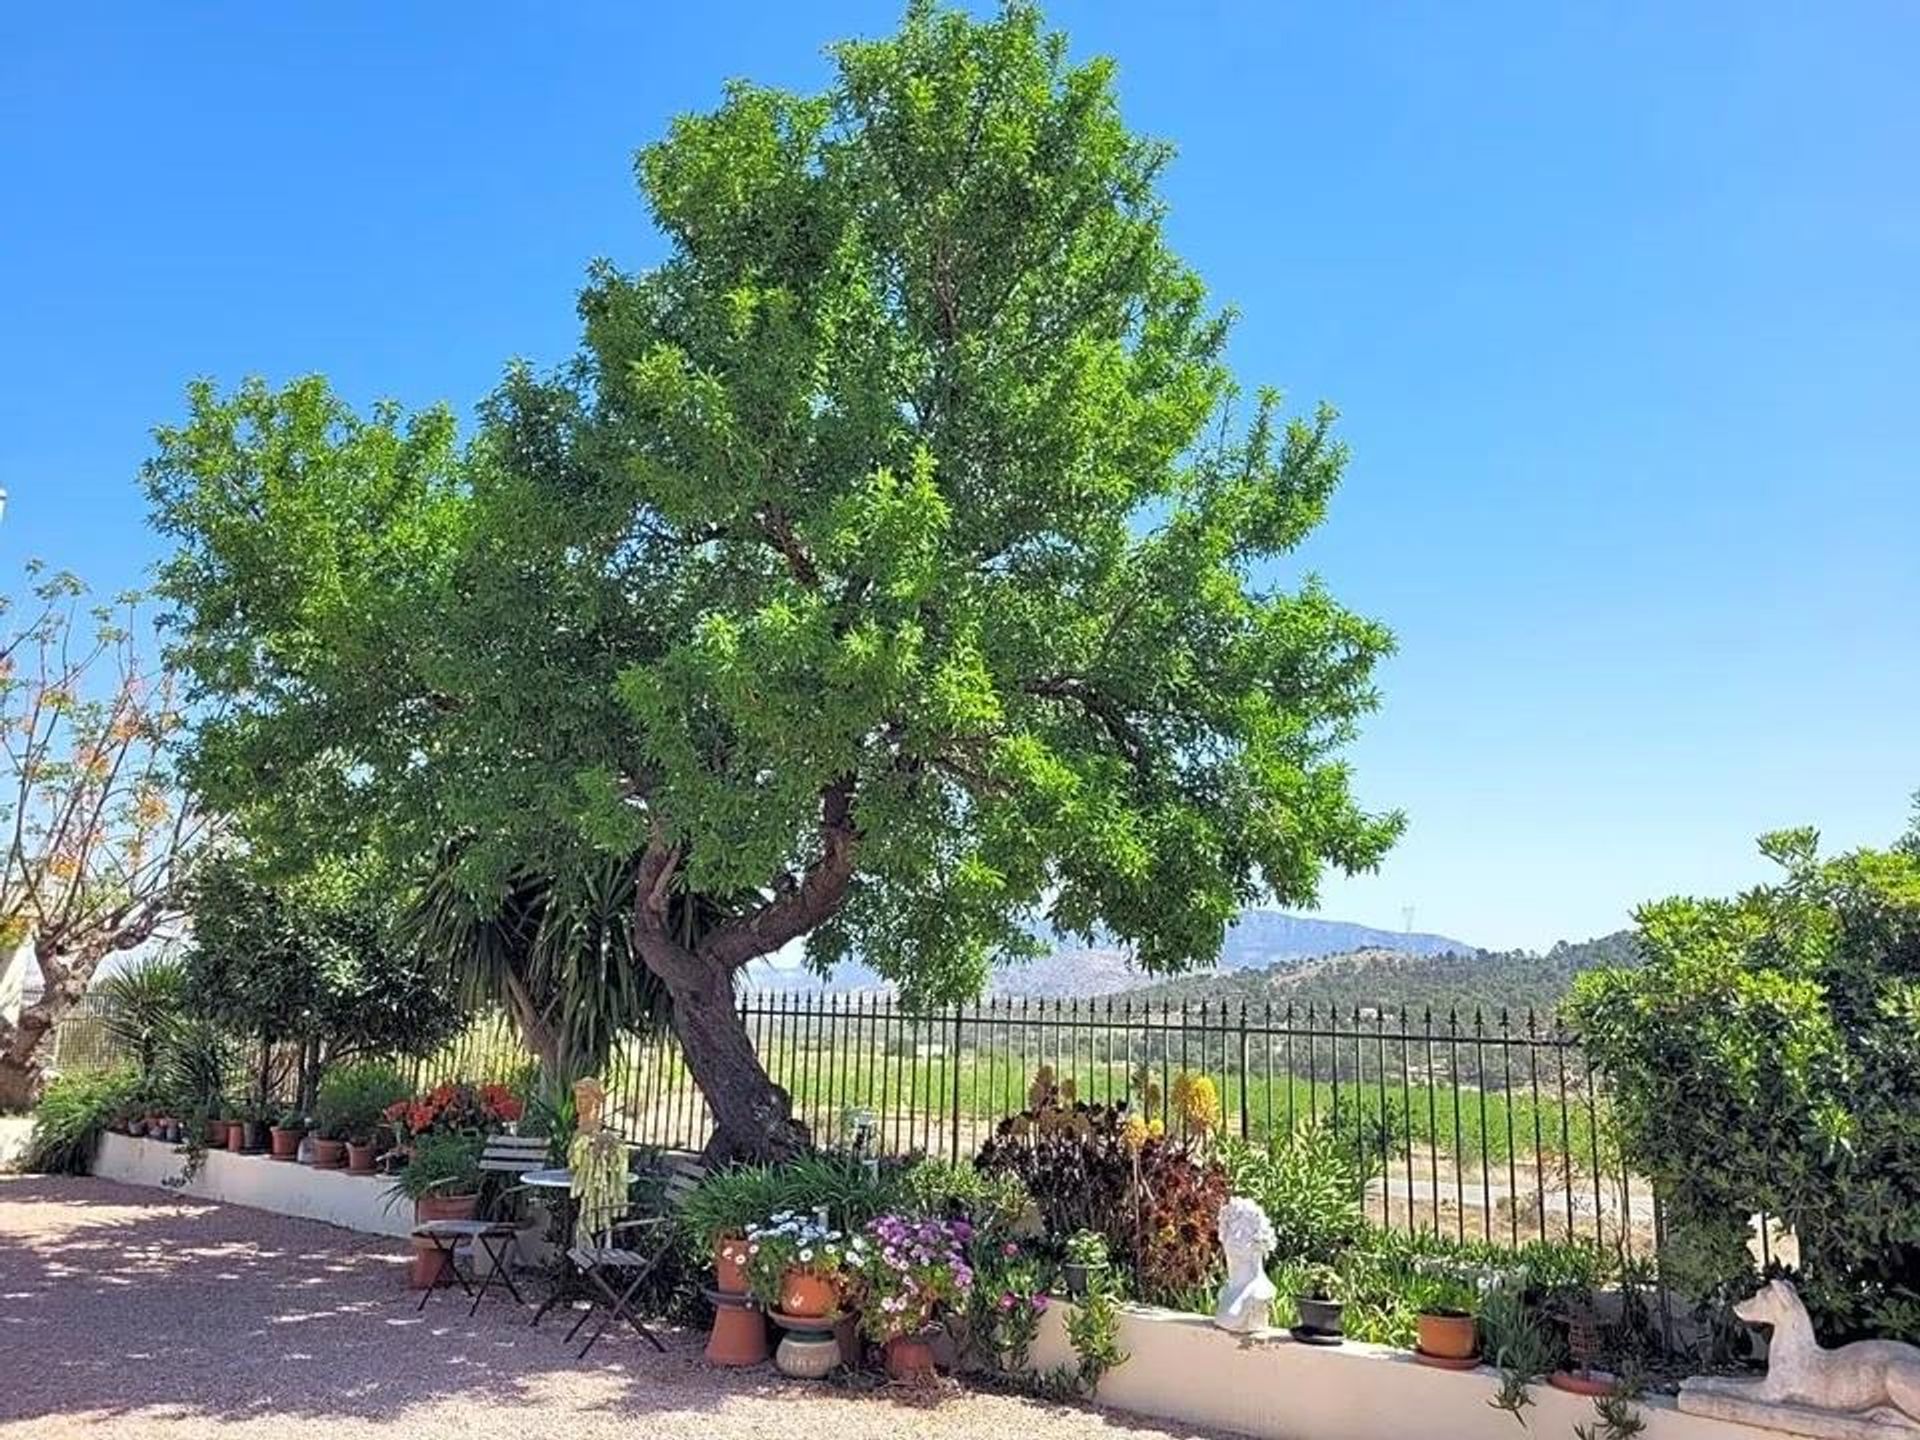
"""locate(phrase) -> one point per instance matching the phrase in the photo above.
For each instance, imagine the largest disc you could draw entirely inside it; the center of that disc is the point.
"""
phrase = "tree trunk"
(25, 1044)
(19, 1084)
(753, 1117)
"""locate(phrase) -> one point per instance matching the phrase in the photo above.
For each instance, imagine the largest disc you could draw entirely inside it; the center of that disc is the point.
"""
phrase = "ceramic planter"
(445, 1207)
(360, 1157)
(739, 1336)
(429, 1266)
(1320, 1316)
(1447, 1335)
(329, 1154)
(286, 1142)
(236, 1135)
(802, 1293)
(1078, 1277)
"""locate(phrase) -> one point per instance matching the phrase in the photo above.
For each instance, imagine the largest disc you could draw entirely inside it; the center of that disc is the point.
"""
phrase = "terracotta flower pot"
(216, 1134)
(329, 1154)
(1447, 1334)
(286, 1142)
(429, 1266)
(445, 1207)
(730, 1264)
(360, 1157)
(910, 1358)
(805, 1294)
(236, 1135)
(739, 1336)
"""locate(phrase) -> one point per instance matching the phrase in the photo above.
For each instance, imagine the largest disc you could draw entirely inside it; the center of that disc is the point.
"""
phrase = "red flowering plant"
(455, 1108)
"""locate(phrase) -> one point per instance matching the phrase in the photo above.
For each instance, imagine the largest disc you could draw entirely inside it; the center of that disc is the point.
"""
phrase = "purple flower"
(1039, 1304)
(1009, 1249)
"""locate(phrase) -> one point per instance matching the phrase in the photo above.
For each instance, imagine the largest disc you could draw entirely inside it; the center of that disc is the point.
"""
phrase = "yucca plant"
(555, 953)
(140, 1003)
(195, 1064)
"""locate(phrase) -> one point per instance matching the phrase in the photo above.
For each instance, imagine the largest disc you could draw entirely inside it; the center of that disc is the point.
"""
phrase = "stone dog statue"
(1245, 1302)
(1875, 1383)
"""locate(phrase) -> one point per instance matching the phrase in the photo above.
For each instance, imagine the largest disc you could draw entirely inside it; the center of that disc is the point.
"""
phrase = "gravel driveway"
(125, 1312)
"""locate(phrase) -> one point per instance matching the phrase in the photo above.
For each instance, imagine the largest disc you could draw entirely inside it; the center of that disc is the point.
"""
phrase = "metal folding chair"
(494, 1237)
(621, 1254)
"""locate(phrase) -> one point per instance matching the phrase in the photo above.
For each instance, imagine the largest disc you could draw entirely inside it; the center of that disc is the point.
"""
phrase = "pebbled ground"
(128, 1314)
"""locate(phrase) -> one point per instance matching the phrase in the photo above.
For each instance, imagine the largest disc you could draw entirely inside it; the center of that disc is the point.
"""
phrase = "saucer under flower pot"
(1584, 1382)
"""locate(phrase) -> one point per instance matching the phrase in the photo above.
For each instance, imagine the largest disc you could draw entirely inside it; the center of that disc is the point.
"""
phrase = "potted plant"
(907, 1274)
(1444, 1319)
(245, 1126)
(348, 1107)
(1318, 1306)
(795, 1264)
(285, 1131)
(1087, 1254)
(442, 1180)
(716, 1215)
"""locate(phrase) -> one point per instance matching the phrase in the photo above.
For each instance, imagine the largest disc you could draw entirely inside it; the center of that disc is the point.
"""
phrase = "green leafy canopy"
(900, 545)
(1764, 1060)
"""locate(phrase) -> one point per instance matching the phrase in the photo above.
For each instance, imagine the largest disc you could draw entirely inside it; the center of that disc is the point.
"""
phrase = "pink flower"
(1039, 1304)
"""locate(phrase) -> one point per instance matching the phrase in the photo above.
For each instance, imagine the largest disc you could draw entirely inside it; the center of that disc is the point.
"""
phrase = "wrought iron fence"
(1475, 1125)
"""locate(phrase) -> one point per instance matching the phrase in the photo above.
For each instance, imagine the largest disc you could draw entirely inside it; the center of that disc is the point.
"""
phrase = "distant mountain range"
(1259, 940)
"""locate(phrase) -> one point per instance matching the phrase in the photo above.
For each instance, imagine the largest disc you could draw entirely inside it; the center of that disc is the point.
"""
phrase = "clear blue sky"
(1621, 303)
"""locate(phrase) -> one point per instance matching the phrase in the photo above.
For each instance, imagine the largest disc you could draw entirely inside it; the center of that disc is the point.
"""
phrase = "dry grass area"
(128, 1313)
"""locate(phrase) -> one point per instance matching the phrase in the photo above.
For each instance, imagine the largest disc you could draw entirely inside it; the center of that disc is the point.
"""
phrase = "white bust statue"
(1870, 1388)
(1246, 1298)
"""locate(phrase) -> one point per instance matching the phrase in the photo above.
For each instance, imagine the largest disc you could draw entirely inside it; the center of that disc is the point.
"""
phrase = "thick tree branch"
(1100, 707)
(798, 908)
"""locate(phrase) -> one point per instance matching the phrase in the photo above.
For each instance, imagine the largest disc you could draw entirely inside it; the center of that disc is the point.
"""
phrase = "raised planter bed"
(1179, 1367)
(353, 1202)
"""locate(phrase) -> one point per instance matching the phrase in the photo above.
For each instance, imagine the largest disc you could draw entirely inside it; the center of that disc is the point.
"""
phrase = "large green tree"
(895, 572)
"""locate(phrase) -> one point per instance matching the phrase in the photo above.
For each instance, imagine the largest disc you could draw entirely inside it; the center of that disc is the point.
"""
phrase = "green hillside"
(1394, 982)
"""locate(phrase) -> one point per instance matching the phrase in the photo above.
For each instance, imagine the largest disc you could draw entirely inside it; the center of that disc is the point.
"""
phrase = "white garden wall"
(354, 1202)
(14, 1132)
(1181, 1368)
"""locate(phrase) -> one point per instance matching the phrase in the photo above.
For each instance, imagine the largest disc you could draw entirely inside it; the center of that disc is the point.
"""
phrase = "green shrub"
(728, 1201)
(1764, 1059)
(72, 1113)
(352, 1099)
(1309, 1186)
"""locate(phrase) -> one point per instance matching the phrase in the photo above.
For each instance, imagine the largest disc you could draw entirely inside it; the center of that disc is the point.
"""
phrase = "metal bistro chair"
(618, 1256)
(493, 1237)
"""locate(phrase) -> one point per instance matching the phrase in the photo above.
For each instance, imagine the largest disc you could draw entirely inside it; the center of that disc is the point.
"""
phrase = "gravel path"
(125, 1312)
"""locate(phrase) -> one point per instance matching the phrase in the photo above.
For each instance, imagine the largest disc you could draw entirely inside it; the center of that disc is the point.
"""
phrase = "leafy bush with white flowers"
(792, 1241)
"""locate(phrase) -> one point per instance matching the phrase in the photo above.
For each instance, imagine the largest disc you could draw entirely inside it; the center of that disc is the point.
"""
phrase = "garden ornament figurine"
(1864, 1391)
(1246, 1298)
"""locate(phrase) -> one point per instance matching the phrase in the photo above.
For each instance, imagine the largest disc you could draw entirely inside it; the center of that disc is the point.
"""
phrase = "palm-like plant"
(141, 1003)
(196, 1063)
(555, 952)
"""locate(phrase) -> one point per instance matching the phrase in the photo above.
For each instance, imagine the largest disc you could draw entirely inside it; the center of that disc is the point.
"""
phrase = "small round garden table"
(566, 1284)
